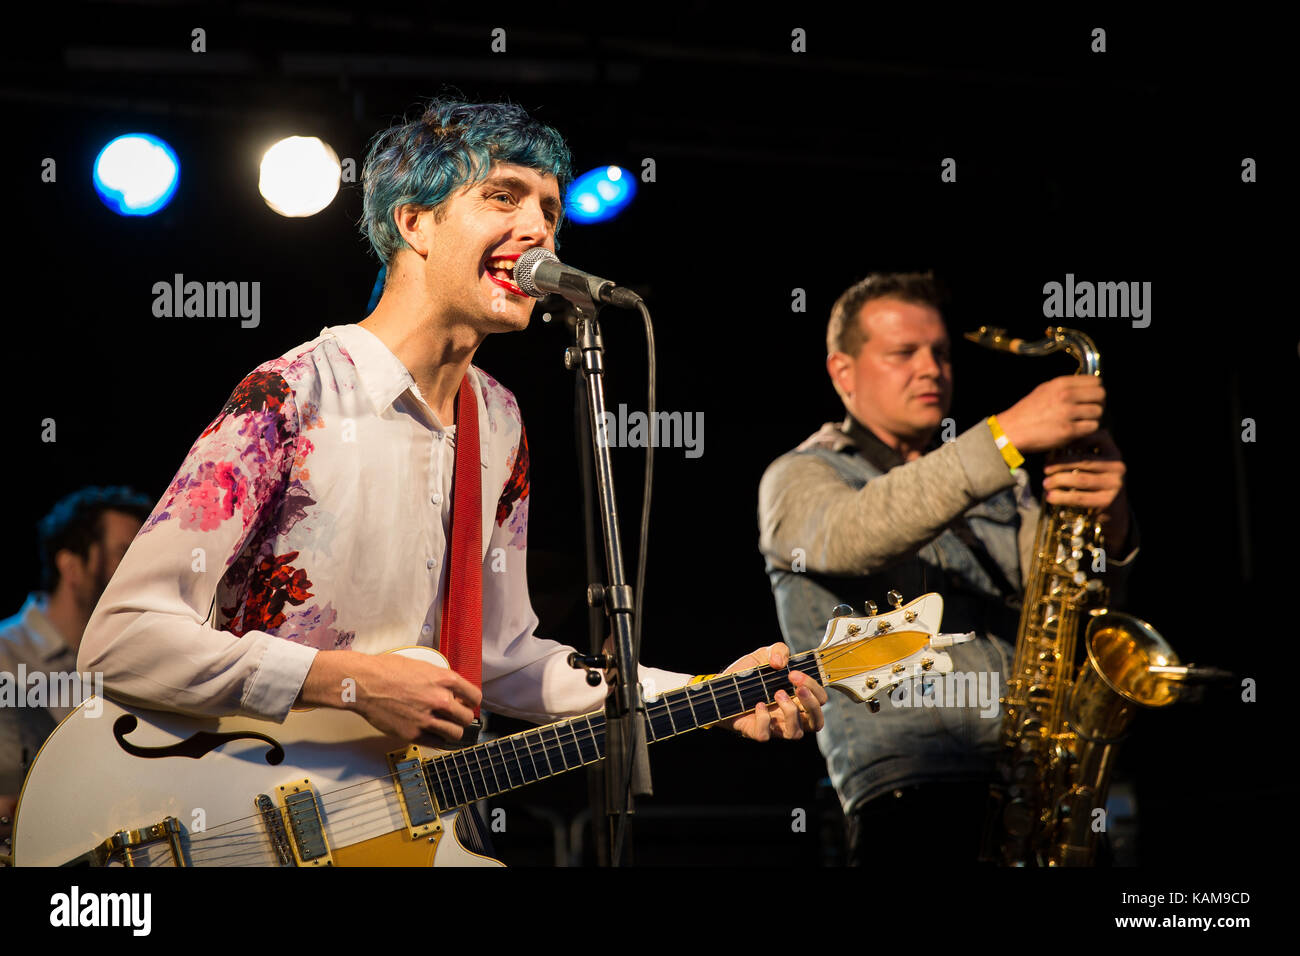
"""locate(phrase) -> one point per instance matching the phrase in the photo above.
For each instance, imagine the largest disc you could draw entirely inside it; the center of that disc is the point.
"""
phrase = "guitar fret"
(434, 782)
(545, 755)
(650, 723)
(464, 791)
(740, 695)
(450, 799)
(577, 744)
(717, 709)
(702, 693)
(595, 742)
(490, 767)
(469, 774)
(523, 774)
(505, 764)
(766, 693)
(444, 785)
(537, 771)
(669, 708)
(691, 707)
(559, 746)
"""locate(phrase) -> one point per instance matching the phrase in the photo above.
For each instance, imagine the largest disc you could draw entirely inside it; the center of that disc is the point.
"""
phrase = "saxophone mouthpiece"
(995, 338)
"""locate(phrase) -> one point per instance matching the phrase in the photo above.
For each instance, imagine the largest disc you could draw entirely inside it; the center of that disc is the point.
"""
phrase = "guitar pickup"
(306, 827)
(419, 808)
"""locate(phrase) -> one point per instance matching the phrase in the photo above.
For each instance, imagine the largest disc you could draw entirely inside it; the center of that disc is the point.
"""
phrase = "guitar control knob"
(871, 608)
(841, 610)
(895, 599)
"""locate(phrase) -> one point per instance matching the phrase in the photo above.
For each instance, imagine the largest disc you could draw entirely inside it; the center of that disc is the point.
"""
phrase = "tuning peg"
(871, 608)
(874, 705)
(895, 599)
(841, 610)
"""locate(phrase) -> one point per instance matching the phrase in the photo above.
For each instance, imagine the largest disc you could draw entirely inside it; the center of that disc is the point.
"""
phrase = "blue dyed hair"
(452, 145)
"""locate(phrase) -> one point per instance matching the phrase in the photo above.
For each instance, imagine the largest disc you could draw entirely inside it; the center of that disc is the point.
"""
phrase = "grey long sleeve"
(804, 503)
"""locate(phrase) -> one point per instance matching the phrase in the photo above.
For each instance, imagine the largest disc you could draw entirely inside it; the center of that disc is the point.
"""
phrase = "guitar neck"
(460, 777)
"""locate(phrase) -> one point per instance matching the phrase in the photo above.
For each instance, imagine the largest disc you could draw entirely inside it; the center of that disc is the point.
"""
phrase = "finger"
(802, 680)
(762, 723)
(789, 725)
(1084, 480)
(778, 655)
(1083, 388)
(448, 706)
(1092, 466)
(812, 709)
(1085, 450)
(1099, 500)
(462, 688)
(443, 728)
(749, 661)
(1084, 462)
(1085, 411)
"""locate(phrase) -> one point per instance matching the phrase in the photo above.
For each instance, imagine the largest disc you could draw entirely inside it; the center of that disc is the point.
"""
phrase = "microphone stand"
(627, 768)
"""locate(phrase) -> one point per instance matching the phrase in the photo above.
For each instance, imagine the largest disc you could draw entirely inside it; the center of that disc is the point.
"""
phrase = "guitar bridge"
(126, 846)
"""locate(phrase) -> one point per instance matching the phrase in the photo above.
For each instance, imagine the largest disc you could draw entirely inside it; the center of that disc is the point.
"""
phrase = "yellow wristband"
(1010, 454)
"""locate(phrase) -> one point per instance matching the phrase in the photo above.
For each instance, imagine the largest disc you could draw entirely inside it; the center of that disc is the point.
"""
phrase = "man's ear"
(72, 568)
(413, 223)
(840, 368)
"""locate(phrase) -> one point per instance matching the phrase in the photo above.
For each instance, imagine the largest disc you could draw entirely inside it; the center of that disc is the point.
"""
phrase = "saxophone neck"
(1078, 345)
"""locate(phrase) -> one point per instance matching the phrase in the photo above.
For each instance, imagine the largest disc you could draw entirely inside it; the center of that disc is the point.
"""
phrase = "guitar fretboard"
(460, 777)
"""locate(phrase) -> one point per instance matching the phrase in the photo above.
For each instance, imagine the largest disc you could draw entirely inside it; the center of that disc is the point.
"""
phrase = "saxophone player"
(878, 502)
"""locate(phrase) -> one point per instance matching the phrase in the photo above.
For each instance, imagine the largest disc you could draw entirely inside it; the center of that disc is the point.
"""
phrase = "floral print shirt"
(314, 514)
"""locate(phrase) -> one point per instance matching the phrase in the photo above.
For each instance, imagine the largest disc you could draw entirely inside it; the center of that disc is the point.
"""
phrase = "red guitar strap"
(462, 604)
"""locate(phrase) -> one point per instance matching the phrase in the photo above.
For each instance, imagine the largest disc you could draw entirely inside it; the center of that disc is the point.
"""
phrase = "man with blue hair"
(368, 489)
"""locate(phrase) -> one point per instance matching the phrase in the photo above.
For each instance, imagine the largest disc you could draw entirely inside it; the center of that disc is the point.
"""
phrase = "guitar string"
(329, 801)
(741, 681)
(214, 845)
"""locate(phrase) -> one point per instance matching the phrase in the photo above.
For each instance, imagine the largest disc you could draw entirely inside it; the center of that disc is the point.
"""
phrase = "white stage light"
(300, 176)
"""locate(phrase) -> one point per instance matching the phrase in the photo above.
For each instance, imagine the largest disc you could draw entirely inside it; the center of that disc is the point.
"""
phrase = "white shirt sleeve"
(151, 634)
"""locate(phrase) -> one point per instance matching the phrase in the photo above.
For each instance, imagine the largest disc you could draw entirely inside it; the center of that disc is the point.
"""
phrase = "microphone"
(538, 271)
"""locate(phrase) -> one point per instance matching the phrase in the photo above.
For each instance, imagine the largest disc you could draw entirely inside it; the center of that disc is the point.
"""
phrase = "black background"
(775, 171)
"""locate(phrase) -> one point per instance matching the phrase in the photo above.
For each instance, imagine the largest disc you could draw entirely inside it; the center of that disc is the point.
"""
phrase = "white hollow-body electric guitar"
(136, 787)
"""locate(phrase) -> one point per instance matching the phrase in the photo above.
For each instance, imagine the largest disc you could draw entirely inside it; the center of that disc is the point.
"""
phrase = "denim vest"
(872, 754)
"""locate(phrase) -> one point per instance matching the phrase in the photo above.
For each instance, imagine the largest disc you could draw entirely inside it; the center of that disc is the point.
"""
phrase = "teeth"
(507, 264)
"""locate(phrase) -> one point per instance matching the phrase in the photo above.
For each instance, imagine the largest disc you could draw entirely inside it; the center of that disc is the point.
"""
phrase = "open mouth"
(501, 270)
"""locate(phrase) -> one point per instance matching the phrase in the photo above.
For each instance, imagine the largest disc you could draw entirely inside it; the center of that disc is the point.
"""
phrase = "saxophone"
(1061, 726)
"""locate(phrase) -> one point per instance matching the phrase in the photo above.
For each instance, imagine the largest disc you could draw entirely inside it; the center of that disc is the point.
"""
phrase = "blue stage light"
(136, 174)
(600, 194)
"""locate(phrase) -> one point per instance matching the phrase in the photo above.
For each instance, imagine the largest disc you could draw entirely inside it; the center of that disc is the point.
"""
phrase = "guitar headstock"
(868, 656)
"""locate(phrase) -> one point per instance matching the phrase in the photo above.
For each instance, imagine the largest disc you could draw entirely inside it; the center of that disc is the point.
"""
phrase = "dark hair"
(77, 521)
(844, 332)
